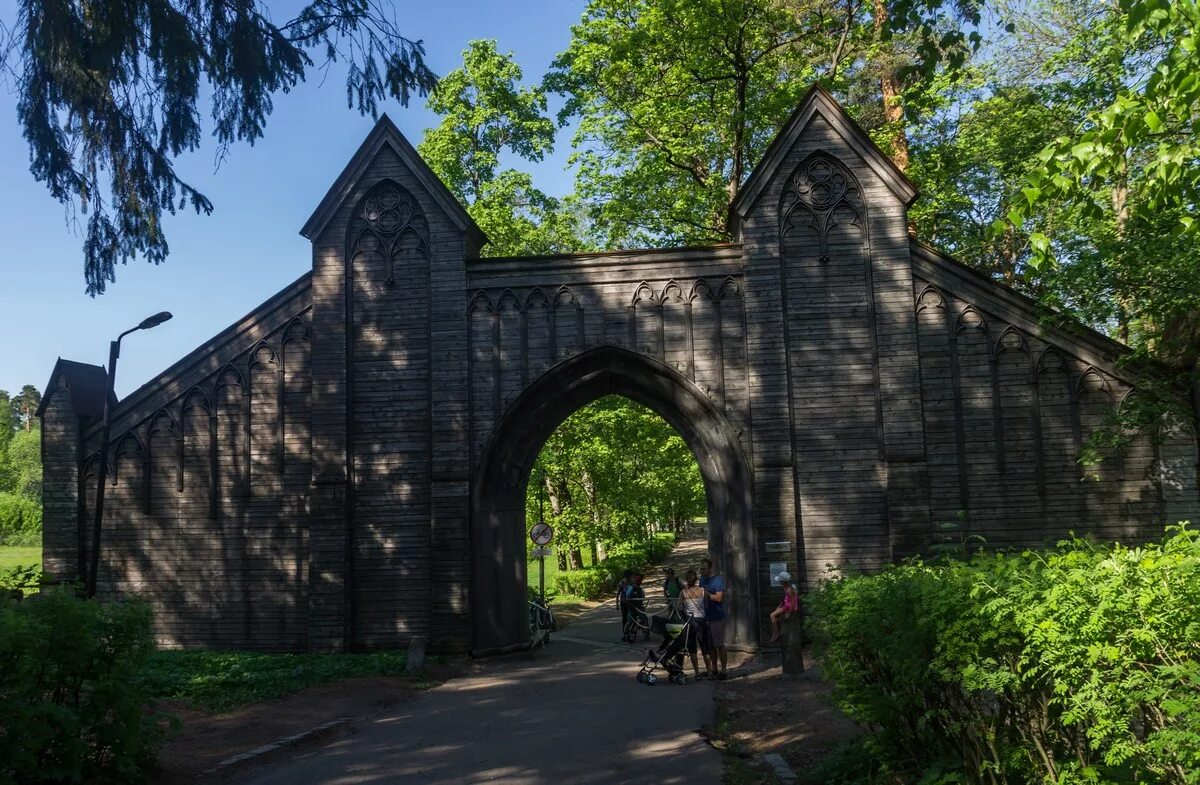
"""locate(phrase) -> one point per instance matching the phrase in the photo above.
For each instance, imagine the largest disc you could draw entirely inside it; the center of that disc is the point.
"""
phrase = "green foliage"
(21, 466)
(24, 407)
(600, 579)
(1077, 664)
(108, 95)
(676, 100)
(610, 474)
(72, 704)
(20, 520)
(486, 114)
(220, 680)
(23, 578)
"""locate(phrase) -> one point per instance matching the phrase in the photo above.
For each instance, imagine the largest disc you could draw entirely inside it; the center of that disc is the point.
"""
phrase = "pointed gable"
(86, 383)
(386, 134)
(819, 102)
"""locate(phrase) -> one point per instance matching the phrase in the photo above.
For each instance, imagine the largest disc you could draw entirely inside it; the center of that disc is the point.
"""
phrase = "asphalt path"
(572, 712)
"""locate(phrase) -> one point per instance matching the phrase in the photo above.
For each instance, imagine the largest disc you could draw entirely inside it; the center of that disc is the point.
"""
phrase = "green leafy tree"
(6, 420)
(22, 467)
(108, 95)
(24, 407)
(677, 100)
(486, 114)
(611, 474)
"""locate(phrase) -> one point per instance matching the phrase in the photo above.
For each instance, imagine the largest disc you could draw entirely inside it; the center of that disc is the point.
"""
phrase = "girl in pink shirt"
(787, 606)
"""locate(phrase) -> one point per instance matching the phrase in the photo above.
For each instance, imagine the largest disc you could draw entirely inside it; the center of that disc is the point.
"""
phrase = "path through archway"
(498, 494)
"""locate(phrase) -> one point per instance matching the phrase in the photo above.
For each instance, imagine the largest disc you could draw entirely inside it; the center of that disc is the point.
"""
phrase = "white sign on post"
(539, 552)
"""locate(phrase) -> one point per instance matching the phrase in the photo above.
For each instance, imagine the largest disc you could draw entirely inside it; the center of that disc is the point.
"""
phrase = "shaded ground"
(571, 712)
(208, 738)
(763, 712)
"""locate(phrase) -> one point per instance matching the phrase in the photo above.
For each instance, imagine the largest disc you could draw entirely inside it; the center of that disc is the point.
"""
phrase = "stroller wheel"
(641, 676)
(651, 679)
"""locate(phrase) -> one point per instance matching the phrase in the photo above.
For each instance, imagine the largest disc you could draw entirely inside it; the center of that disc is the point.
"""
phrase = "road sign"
(538, 553)
(541, 534)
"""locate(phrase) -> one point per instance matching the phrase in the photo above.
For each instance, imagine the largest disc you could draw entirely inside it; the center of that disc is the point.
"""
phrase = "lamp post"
(114, 351)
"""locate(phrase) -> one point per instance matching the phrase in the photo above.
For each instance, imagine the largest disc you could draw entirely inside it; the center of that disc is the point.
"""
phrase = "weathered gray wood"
(344, 467)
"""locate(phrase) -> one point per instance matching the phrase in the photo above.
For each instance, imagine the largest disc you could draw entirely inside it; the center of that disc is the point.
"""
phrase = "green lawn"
(14, 555)
(220, 680)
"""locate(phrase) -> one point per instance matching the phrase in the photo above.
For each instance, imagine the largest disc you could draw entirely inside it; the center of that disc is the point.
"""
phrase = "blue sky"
(222, 265)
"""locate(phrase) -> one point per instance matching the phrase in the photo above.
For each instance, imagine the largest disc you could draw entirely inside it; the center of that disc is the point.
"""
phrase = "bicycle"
(541, 623)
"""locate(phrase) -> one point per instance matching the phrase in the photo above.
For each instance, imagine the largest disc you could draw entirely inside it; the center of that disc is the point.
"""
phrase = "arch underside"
(498, 493)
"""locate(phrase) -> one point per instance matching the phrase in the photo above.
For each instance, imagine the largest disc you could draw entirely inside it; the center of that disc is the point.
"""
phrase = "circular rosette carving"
(389, 223)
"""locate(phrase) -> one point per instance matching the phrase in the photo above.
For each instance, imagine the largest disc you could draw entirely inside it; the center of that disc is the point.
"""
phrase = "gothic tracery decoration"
(823, 192)
(389, 223)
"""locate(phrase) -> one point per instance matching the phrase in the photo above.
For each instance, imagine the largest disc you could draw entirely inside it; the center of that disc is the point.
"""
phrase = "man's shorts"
(716, 634)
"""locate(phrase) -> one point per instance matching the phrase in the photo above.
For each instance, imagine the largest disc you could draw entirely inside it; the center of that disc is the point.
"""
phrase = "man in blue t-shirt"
(714, 619)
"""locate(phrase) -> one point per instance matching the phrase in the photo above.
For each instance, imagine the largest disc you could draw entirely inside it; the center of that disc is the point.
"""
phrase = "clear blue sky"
(222, 265)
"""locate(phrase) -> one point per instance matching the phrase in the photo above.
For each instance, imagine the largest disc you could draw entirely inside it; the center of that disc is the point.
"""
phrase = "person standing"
(691, 600)
(622, 592)
(714, 619)
(671, 589)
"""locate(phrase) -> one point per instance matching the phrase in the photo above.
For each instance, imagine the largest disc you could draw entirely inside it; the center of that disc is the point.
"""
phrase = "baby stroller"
(676, 630)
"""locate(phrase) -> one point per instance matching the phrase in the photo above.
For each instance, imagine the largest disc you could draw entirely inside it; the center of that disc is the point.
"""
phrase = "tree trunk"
(562, 559)
(893, 109)
(1120, 205)
(575, 558)
(595, 555)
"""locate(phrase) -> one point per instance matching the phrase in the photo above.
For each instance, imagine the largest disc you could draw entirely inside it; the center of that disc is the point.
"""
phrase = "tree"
(108, 96)
(24, 407)
(1111, 204)
(677, 100)
(486, 114)
(6, 420)
(611, 473)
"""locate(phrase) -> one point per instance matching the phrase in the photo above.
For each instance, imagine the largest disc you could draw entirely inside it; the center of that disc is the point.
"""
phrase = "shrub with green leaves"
(593, 582)
(1079, 664)
(20, 520)
(71, 706)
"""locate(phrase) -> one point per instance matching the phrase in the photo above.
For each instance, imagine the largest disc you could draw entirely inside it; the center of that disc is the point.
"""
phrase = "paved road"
(570, 713)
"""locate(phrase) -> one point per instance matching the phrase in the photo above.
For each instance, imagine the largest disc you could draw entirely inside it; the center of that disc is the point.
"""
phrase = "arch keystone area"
(349, 459)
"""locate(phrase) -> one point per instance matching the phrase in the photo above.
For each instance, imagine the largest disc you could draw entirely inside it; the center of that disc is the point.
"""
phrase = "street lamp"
(114, 351)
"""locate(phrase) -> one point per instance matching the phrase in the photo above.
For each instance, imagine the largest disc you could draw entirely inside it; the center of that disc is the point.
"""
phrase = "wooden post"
(791, 640)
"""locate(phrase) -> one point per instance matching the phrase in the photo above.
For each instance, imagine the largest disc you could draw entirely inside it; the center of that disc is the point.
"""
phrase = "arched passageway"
(498, 494)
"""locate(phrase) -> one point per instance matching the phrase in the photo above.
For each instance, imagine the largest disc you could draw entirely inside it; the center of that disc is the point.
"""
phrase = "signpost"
(541, 534)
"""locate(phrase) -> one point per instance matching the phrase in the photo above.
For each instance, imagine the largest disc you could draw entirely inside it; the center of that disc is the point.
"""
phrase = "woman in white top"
(691, 598)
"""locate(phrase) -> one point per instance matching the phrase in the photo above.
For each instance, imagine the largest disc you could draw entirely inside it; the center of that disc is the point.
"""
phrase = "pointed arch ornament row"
(1088, 390)
(224, 396)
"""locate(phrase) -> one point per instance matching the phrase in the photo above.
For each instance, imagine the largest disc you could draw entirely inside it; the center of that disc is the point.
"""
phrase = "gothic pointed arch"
(823, 197)
(388, 225)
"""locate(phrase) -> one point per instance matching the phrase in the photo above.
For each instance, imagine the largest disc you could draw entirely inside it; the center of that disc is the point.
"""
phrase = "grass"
(19, 555)
(221, 680)
(552, 573)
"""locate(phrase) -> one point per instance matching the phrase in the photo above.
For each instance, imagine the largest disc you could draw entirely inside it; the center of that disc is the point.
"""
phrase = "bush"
(71, 704)
(593, 582)
(20, 520)
(23, 578)
(1072, 665)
